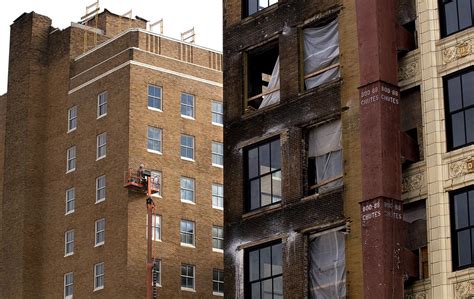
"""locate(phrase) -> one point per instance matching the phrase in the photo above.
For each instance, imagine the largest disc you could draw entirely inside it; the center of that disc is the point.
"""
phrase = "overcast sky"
(178, 16)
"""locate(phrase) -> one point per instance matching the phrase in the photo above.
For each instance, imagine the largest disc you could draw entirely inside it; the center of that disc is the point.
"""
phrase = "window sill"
(154, 109)
(70, 170)
(98, 289)
(218, 294)
(71, 130)
(69, 254)
(99, 201)
(262, 210)
(99, 244)
(69, 212)
(188, 117)
(187, 159)
(217, 250)
(157, 195)
(188, 202)
(218, 208)
(218, 165)
(157, 240)
(68, 297)
(101, 116)
(100, 158)
(217, 124)
(188, 289)
(154, 152)
(187, 245)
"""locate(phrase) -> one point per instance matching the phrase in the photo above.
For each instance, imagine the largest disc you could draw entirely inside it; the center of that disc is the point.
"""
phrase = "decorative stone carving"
(464, 289)
(457, 51)
(459, 168)
(414, 182)
(408, 71)
(417, 295)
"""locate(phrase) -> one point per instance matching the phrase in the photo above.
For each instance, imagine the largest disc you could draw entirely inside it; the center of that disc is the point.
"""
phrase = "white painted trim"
(154, 109)
(218, 294)
(96, 65)
(187, 116)
(188, 202)
(154, 152)
(217, 124)
(217, 250)
(88, 28)
(218, 208)
(187, 245)
(218, 166)
(187, 159)
(188, 289)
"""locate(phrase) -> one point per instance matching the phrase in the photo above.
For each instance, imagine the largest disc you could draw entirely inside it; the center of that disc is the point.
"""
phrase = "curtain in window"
(321, 49)
(274, 83)
(327, 271)
(326, 148)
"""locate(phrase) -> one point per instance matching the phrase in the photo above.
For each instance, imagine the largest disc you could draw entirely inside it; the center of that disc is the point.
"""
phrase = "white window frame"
(193, 277)
(156, 224)
(68, 240)
(214, 112)
(71, 159)
(193, 245)
(102, 95)
(69, 199)
(181, 188)
(220, 250)
(193, 105)
(66, 285)
(217, 281)
(217, 154)
(186, 147)
(158, 174)
(98, 189)
(217, 186)
(96, 287)
(155, 97)
(159, 141)
(101, 145)
(97, 232)
(72, 120)
(158, 284)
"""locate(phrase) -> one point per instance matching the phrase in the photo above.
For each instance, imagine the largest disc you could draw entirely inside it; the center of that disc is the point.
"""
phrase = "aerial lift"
(142, 181)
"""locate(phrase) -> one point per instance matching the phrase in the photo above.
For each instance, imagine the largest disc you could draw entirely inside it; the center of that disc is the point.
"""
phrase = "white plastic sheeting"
(325, 146)
(274, 97)
(321, 50)
(327, 271)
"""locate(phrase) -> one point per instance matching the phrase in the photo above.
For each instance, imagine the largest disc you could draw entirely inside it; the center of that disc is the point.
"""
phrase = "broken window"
(253, 6)
(321, 54)
(414, 217)
(263, 77)
(325, 157)
(327, 268)
(411, 126)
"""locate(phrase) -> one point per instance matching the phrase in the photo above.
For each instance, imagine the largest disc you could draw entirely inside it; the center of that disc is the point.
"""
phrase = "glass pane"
(468, 88)
(457, 129)
(454, 93)
(267, 292)
(278, 288)
(451, 17)
(253, 265)
(276, 187)
(255, 290)
(471, 207)
(464, 248)
(266, 189)
(252, 163)
(264, 155)
(275, 148)
(461, 211)
(265, 262)
(254, 194)
(469, 118)
(464, 10)
(276, 259)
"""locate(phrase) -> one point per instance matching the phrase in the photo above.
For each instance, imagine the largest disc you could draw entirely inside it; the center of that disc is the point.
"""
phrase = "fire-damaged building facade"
(349, 137)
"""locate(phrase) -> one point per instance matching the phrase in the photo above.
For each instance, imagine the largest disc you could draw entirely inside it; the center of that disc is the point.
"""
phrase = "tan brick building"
(77, 115)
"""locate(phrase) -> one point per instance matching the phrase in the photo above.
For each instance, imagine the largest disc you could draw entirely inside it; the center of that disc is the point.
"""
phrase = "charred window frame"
(455, 16)
(459, 108)
(416, 237)
(259, 65)
(263, 175)
(250, 7)
(462, 227)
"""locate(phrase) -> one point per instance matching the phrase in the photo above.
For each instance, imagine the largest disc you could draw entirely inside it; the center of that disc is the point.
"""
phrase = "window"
(154, 140)
(321, 54)
(156, 273)
(154, 97)
(217, 196)
(327, 269)
(187, 105)
(102, 105)
(71, 159)
(187, 277)
(68, 285)
(99, 276)
(72, 118)
(187, 189)
(70, 198)
(263, 175)
(217, 154)
(263, 277)
(218, 237)
(100, 189)
(187, 147)
(156, 179)
(263, 77)
(217, 111)
(462, 227)
(101, 145)
(156, 224)
(455, 15)
(218, 281)
(100, 232)
(459, 107)
(325, 157)
(187, 232)
(253, 6)
(69, 243)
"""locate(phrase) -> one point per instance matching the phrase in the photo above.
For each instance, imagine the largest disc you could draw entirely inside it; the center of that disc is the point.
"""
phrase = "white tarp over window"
(325, 146)
(274, 83)
(327, 271)
(321, 50)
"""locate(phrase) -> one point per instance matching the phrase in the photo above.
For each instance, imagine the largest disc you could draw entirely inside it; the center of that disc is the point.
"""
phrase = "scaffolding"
(92, 12)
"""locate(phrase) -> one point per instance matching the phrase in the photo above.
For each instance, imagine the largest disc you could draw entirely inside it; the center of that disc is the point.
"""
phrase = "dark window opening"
(263, 77)
(252, 6)
(455, 16)
(459, 109)
(406, 17)
(411, 123)
(263, 176)
(416, 237)
(462, 227)
(264, 272)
